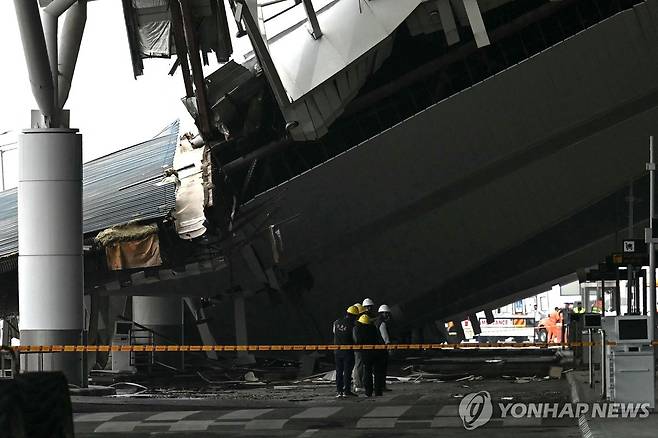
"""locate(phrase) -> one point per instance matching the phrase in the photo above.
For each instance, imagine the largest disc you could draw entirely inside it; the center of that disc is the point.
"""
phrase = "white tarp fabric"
(189, 214)
(154, 39)
(154, 27)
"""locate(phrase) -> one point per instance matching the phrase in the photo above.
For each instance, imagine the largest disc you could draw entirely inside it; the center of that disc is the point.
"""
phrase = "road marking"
(244, 414)
(186, 425)
(118, 426)
(307, 433)
(99, 416)
(376, 423)
(446, 422)
(387, 411)
(171, 415)
(448, 411)
(265, 424)
(317, 413)
(229, 423)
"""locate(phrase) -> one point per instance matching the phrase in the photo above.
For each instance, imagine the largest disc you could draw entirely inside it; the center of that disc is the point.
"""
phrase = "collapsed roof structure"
(441, 156)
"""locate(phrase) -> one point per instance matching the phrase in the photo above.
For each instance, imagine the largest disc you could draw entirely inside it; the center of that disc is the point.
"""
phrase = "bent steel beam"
(313, 24)
(197, 69)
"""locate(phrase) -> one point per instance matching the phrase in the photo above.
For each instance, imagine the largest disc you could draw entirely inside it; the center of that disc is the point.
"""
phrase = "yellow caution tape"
(302, 347)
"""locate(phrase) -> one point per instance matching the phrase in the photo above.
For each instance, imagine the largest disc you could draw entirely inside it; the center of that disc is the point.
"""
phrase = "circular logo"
(476, 409)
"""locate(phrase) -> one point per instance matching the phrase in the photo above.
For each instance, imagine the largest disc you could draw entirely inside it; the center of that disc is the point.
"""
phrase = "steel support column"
(313, 24)
(197, 69)
(240, 315)
(50, 263)
(36, 55)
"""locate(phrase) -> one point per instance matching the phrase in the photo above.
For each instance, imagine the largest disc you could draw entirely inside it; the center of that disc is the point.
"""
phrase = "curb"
(585, 429)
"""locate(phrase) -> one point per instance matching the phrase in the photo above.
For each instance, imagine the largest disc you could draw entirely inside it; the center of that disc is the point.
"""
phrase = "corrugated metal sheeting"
(118, 188)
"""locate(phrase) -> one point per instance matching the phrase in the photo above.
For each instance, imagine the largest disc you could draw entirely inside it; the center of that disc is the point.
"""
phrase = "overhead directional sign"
(628, 258)
(634, 246)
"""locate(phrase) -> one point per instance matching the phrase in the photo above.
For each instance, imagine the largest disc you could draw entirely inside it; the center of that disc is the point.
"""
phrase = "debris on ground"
(555, 372)
(530, 379)
(250, 377)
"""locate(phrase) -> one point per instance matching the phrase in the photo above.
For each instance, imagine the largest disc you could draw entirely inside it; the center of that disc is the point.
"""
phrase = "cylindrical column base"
(68, 363)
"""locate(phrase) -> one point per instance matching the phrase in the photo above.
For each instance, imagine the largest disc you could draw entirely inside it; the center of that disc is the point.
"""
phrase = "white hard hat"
(368, 302)
(384, 308)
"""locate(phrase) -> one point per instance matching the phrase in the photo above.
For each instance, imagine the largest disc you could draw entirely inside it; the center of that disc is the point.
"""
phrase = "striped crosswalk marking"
(189, 425)
(244, 414)
(171, 415)
(118, 426)
(317, 412)
(446, 422)
(448, 411)
(99, 416)
(387, 411)
(376, 423)
(265, 424)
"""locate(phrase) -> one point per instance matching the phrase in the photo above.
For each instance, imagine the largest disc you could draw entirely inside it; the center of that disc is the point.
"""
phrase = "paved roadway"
(410, 410)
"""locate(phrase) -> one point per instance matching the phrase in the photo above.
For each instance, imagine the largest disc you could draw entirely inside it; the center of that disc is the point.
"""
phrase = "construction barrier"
(234, 348)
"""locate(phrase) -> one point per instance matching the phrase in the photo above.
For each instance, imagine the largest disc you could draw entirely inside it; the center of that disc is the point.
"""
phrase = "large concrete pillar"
(50, 270)
(163, 315)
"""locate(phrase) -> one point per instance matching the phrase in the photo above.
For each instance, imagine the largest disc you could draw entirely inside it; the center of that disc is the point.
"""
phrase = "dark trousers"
(344, 365)
(380, 363)
(368, 359)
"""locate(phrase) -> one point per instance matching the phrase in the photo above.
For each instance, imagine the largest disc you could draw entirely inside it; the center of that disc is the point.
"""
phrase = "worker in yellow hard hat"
(343, 335)
(365, 333)
(357, 373)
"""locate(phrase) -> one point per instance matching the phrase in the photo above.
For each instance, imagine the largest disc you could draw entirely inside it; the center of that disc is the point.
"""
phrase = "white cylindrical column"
(50, 264)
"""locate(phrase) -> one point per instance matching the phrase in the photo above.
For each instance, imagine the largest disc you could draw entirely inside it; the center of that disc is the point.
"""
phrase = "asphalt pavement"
(420, 409)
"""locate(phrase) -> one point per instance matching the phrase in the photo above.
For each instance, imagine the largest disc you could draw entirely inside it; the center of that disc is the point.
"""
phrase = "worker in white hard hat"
(383, 323)
(369, 304)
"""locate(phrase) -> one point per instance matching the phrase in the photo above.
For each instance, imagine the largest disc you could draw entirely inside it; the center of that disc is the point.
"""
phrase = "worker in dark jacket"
(343, 335)
(365, 333)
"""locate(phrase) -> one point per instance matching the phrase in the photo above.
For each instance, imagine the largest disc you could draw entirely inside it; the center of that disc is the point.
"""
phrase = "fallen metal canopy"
(117, 188)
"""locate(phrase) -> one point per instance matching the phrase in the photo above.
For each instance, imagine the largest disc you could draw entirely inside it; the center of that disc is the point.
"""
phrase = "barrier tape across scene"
(316, 347)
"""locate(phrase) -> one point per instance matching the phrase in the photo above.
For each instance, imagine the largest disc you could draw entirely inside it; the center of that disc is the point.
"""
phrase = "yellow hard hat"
(361, 308)
(364, 319)
(353, 310)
